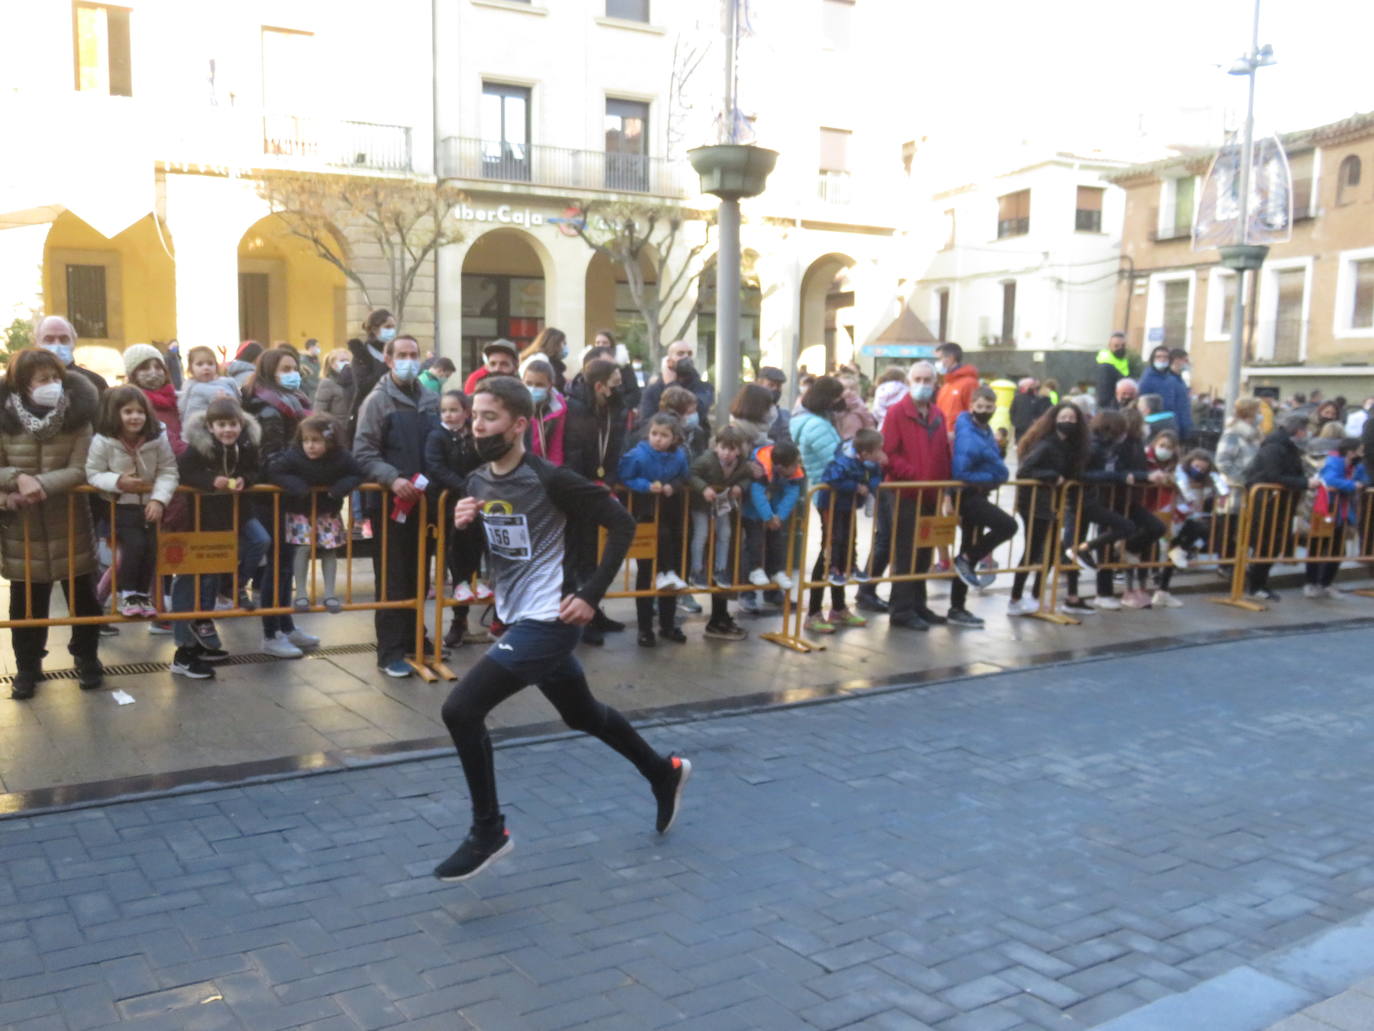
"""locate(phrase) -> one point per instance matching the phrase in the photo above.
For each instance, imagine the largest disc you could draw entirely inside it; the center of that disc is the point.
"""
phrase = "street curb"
(1256, 995)
(65, 798)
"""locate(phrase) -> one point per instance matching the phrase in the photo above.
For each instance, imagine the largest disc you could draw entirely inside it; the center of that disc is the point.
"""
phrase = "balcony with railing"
(538, 165)
(358, 145)
(835, 187)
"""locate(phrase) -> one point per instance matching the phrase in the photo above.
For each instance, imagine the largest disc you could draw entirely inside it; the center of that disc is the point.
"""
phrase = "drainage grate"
(247, 659)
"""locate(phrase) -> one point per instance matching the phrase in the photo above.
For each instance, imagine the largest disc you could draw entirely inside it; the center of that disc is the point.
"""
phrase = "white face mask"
(1164, 453)
(47, 394)
(921, 392)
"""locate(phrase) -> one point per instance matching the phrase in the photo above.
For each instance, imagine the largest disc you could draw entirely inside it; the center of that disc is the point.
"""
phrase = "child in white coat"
(131, 463)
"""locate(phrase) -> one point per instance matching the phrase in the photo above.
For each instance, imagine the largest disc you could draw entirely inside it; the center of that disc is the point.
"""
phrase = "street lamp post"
(1244, 256)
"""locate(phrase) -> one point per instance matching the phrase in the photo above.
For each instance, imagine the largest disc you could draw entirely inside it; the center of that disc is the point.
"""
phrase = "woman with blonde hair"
(334, 395)
(1238, 446)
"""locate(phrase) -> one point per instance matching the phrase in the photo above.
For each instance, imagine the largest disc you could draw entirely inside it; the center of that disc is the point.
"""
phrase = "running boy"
(527, 508)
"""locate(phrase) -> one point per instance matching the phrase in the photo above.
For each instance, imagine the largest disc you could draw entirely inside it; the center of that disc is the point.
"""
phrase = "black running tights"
(488, 684)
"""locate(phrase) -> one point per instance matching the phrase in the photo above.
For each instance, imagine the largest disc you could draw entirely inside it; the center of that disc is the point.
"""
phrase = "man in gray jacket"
(393, 422)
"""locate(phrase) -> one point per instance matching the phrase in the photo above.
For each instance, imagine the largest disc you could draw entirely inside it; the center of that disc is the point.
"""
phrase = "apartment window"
(1177, 220)
(1347, 179)
(86, 305)
(288, 57)
(1362, 313)
(627, 144)
(1008, 313)
(1289, 284)
(629, 10)
(103, 62)
(1300, 170)
(837, 17)
(835, 150)
(1013, 214)
(505, 132)
(1088, 215)
(1176, 293)
(943, 320)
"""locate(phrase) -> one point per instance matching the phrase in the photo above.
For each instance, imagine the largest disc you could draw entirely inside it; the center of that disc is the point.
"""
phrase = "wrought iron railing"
(834, 187)
(366, 145)
(539, 165)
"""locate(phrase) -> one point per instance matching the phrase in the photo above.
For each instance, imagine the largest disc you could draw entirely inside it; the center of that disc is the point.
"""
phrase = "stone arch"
(827, 321)
(286, 291)
(508, 279)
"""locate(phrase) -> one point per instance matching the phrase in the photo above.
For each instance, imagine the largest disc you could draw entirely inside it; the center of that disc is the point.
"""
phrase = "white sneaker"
(484, 592)
(678, 584)
(759, 578)
(1311, 591)
(1179, 558)
(783, 580)
(1164, 600)
(1332, 593)
(301, 639)
(1107, 602)
(1023, 607)
(463, 593)
(664, 582)
(279, 647)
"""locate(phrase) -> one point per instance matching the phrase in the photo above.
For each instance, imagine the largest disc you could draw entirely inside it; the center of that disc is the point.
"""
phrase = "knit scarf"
(163, 397)
(42, 427)
(292, 406)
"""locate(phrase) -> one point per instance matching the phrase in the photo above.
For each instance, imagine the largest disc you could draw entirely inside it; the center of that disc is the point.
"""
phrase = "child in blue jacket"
(977, 462)
(854, 473)
(768, 504)
(656, 470)
(1343, 477)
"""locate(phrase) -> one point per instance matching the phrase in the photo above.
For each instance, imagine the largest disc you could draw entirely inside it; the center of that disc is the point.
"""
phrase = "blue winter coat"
(976, 458)
(817, 438)
(1174, 392)
(642, 466)
(846, 472)
(774, 495)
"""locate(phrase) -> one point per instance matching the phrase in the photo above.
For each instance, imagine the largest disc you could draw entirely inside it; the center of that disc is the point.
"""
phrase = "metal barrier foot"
(442, 668)
(1240, 603)
(424, 672)
(1364, 592)
(794, 643)
(1057, 618)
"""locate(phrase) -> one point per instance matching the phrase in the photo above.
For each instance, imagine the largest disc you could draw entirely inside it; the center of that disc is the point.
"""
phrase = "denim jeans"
(253, 544)
(721, 555)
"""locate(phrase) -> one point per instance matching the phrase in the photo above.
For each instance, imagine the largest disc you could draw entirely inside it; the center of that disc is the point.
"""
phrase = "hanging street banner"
(1269, 214)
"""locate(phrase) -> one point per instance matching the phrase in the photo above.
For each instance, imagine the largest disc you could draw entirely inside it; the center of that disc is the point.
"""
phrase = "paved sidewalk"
(1043, 849)
(339, 702)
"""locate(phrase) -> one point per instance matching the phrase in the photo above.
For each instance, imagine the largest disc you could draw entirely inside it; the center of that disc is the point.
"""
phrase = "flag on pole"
(1269, 214)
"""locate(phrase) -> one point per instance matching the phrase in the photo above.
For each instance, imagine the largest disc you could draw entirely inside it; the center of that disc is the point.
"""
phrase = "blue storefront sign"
(898, 350)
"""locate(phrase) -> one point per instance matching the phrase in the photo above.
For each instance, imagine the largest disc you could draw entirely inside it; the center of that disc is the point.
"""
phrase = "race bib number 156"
(508, 536)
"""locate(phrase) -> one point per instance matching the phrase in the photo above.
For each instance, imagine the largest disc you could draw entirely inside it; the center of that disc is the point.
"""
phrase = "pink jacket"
(855, 417)
(546, 431)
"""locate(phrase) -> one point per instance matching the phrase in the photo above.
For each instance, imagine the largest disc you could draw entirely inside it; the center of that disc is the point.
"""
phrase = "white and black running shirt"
(525, 523)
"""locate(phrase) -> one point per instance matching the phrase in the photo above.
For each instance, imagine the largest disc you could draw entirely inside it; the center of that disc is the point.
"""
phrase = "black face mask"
(492, 448)
(777, 396)
(983, 418)
(1196, 474)
(1066, 429)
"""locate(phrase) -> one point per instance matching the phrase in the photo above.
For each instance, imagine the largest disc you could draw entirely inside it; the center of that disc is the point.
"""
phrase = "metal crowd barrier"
(1257, 530)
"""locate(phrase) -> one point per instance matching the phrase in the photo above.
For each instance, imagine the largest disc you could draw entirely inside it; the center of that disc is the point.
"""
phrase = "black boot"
(23, 686)
(90, 674)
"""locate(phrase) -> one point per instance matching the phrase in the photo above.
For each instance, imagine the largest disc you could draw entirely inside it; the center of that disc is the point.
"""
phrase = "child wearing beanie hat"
(146, 370)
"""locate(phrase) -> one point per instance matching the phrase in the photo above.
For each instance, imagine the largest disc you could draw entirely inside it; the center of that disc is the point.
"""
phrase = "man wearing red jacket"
(957, 384)
(916, 441)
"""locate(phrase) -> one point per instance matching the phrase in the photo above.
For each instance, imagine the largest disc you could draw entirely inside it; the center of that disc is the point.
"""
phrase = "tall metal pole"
(1247, 156)
(728, 256)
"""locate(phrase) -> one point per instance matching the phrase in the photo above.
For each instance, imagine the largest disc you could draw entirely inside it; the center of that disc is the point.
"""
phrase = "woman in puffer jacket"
(45, 433)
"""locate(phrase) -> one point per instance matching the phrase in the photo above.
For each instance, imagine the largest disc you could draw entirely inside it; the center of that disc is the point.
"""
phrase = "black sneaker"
(673, 633)
(90, 674)
(475, 854)
(24, 684)
(457, 630)
(1086, 560)
(726, 630)
(870, 602)
(204, 629)
(590, 635)
(963, 617)
(1077, 605)
(211, 655)
(966, 572)
(931, 617)
(246, 601)
(109, 630)
(647, 639)
(1264, 594)
(188, 663)
(668, 792)
(606, 624)
(908, 622)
